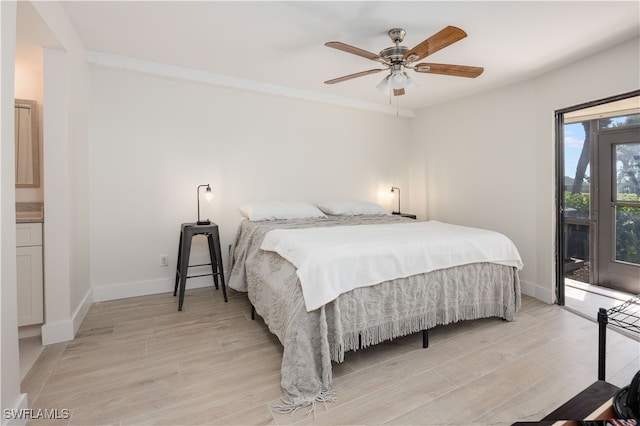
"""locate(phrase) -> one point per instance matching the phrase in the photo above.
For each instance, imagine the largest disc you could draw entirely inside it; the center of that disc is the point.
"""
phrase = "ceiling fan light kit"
(397, 59)
(398, 78)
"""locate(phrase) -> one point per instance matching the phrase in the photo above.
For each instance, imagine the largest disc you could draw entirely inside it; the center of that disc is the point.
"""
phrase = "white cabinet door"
(28, 234)
(30, 285)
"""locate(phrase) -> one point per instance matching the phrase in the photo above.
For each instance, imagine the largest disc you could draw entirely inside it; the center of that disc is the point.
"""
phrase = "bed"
(313, 337)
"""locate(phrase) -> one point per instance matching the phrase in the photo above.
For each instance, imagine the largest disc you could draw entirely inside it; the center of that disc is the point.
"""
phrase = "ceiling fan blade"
(447, 69)
(351, 49)
(398, 92)
(440, 40)
(350, 76)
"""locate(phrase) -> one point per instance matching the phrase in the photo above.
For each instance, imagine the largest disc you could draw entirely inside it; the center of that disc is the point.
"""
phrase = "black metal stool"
(187, 231)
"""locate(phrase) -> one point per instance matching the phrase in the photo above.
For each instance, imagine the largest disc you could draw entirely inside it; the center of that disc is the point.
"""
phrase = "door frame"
(559, 182)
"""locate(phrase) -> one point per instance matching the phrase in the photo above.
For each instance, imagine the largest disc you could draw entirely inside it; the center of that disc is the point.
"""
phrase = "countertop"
(30, 212)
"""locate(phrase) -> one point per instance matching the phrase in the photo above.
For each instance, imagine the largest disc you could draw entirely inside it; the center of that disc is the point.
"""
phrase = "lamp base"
(204, 222)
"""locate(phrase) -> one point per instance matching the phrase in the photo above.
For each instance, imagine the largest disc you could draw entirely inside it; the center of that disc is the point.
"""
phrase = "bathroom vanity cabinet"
(29, 273)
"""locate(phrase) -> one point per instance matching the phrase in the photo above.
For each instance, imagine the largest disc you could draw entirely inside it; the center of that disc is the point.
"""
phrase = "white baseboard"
(62, 331)
(144, 288)
(56, 332)
(18, 415)
(534, 290)
(82, 310)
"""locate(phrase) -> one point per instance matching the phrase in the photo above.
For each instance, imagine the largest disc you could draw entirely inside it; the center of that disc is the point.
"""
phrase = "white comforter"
(332, 261)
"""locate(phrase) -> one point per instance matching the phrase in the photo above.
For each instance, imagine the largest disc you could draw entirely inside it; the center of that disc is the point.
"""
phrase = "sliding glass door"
(598, 172)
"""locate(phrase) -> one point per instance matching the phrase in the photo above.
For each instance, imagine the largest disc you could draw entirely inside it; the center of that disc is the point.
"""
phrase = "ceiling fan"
(399, 58)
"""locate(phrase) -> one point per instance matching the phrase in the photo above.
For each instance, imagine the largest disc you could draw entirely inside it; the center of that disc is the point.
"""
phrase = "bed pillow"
(274, 210)
(351, 208)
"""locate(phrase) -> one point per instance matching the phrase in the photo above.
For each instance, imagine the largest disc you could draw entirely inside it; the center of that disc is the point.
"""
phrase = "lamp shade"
(383, 86)
(398, 80)
(410, 82)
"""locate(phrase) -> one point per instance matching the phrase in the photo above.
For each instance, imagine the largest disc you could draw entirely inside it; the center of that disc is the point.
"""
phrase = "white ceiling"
(282, 43)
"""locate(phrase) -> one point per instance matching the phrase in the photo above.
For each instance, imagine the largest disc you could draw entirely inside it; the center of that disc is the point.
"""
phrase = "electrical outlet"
(164, 260)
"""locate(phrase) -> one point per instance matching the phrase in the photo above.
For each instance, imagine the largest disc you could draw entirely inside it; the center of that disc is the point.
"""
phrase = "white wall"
(488, 160)
(66, 229)
(154, 140)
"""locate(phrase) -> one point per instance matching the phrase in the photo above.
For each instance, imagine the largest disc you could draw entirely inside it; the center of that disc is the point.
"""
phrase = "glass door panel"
(627, 235)
(627, 161)
(619, 210)
(577, 224)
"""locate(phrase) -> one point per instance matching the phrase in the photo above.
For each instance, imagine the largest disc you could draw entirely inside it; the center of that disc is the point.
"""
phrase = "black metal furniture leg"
(218, 254)
(602, 342)
(175, 288)
(253, 312)
(425, 338)
(184, 266)
(214, 263)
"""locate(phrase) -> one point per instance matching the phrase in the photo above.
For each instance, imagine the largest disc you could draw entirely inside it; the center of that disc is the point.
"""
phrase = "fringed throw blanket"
(361, 317)
(333, 260)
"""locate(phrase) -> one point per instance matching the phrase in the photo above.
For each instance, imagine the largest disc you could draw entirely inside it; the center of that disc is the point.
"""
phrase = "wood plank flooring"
(139, 362)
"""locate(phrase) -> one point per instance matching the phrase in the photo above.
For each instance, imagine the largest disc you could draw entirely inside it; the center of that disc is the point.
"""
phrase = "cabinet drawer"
(28, 234)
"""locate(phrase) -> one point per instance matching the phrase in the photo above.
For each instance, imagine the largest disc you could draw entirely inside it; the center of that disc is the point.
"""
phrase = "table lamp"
(208, 196)
(392, 194)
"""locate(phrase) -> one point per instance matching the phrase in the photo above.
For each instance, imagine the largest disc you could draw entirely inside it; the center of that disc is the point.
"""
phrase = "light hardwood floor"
(140, 361)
